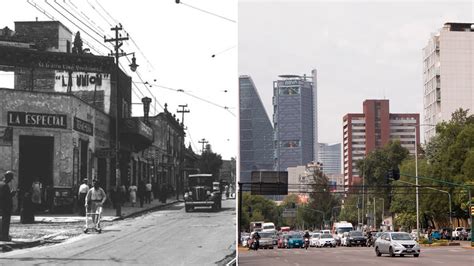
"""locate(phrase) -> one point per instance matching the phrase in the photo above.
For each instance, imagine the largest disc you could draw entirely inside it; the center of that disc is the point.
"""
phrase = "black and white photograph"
(118, 132)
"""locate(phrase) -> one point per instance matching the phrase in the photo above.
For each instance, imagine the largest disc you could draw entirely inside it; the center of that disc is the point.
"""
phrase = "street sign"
(269, 183)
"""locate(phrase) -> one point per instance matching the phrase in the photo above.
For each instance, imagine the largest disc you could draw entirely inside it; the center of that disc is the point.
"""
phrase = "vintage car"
(202, 191)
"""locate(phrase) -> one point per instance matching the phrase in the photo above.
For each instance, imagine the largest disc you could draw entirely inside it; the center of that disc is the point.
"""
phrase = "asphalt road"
(354, 256)
(165, 237)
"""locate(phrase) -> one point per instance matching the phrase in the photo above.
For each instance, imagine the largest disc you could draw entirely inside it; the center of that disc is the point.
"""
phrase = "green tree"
(77, 44)
(210, 163)
(257, 208)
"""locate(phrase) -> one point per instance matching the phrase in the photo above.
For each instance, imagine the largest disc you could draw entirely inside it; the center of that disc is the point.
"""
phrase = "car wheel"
(402, 255)
(377, 252)
(390, 251)
(416, 255)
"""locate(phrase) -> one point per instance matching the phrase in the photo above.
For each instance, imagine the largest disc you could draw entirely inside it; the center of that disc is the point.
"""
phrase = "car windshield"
(326, 236)
(356, 233)
(401, 236)
(342, 230)
(315, 235)
(295, 236)
(200, 181)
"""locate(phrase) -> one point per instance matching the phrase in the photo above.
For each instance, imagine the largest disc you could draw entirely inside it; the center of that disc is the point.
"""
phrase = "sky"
(361, 50)
(173, 44)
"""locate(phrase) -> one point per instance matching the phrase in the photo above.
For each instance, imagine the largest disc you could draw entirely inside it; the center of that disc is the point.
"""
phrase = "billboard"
(269, 183)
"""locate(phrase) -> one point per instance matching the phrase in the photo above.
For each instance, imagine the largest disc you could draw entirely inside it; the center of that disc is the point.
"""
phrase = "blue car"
(295, 241)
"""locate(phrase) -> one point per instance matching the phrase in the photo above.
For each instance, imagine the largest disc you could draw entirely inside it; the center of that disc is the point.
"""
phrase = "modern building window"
(290, 143)
(290, 91)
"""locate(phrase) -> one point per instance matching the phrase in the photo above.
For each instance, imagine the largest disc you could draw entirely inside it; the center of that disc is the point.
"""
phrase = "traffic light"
(394, 174)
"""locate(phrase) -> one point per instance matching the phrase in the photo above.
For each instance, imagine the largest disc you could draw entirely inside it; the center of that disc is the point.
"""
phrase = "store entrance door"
(36, 161)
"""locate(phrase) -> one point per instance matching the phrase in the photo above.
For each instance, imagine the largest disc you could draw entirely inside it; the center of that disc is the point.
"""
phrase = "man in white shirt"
(95, 198)
(81, 195)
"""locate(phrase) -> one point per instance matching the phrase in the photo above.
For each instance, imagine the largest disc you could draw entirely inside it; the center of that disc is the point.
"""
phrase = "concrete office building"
(295, 120)
(372, 129)
(448, 74)
(256, 131)
(330, 156)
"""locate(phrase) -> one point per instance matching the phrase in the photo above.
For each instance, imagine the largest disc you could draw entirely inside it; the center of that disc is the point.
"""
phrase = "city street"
(166, 237)
(354, 256)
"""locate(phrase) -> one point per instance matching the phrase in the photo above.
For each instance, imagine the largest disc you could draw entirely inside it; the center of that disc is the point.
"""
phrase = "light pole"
(118, 42)
(416, 175)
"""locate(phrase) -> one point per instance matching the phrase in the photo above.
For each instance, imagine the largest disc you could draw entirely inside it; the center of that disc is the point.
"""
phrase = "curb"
(133, 214)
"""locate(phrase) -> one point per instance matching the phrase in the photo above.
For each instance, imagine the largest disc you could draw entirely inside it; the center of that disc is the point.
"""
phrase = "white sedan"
(313, 240)
(326, 240)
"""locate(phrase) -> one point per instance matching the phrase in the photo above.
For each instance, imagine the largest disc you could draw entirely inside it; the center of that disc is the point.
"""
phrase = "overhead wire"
(59, 12)
(208, 12)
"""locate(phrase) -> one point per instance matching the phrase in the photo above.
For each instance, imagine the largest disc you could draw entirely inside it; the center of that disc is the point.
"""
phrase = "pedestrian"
(36, 192)
(6, 205)
(123, 194)
(148, 192)
(163, 193)
(141, 192)
(26, 211)
(133, 194)
(83, 189)
(429, 234)
(95, 198)
(226, 189)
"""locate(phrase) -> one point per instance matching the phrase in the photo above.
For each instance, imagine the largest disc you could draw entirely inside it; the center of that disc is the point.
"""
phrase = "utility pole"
(203, 141)
(118, 42)
(183, 111)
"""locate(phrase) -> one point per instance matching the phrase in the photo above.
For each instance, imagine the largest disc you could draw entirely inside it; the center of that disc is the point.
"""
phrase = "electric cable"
(208, 12)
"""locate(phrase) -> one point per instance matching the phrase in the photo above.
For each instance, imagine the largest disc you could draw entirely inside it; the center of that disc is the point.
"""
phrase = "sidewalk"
(108, 213)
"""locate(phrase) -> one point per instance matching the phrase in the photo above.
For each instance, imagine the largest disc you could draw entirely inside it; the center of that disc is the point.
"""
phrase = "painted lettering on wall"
(83, 126)
(26, 119)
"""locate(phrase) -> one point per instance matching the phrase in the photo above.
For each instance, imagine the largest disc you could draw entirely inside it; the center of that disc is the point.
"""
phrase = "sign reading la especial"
(83, 126)
(26, 119)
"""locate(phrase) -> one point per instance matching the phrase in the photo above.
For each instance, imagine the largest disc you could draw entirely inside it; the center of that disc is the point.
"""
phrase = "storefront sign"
(83, 126)
(26, 119)
(105, 153)
(21, 57)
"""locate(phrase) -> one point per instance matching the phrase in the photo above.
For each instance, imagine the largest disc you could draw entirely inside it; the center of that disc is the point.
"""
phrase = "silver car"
(396, 243)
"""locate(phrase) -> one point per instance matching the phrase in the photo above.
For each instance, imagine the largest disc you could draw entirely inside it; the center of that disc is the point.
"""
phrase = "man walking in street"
(95, 199)
(83, 189)
(148, 192)
(6, 205)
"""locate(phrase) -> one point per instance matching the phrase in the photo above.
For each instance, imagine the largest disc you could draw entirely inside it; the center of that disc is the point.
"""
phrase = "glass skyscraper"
(295, 121)
(256, 131)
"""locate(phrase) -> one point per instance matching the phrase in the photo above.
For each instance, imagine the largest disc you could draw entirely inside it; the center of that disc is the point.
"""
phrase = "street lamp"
(117, 43)
(416, 178)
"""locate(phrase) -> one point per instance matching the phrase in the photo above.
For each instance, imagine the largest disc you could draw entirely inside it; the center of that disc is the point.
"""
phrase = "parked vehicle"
(355, 238)
(326, 240)
(295, 241)
(396, 243)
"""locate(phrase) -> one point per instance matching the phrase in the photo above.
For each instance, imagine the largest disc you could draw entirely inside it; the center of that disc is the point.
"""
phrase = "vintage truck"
(202, 191)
